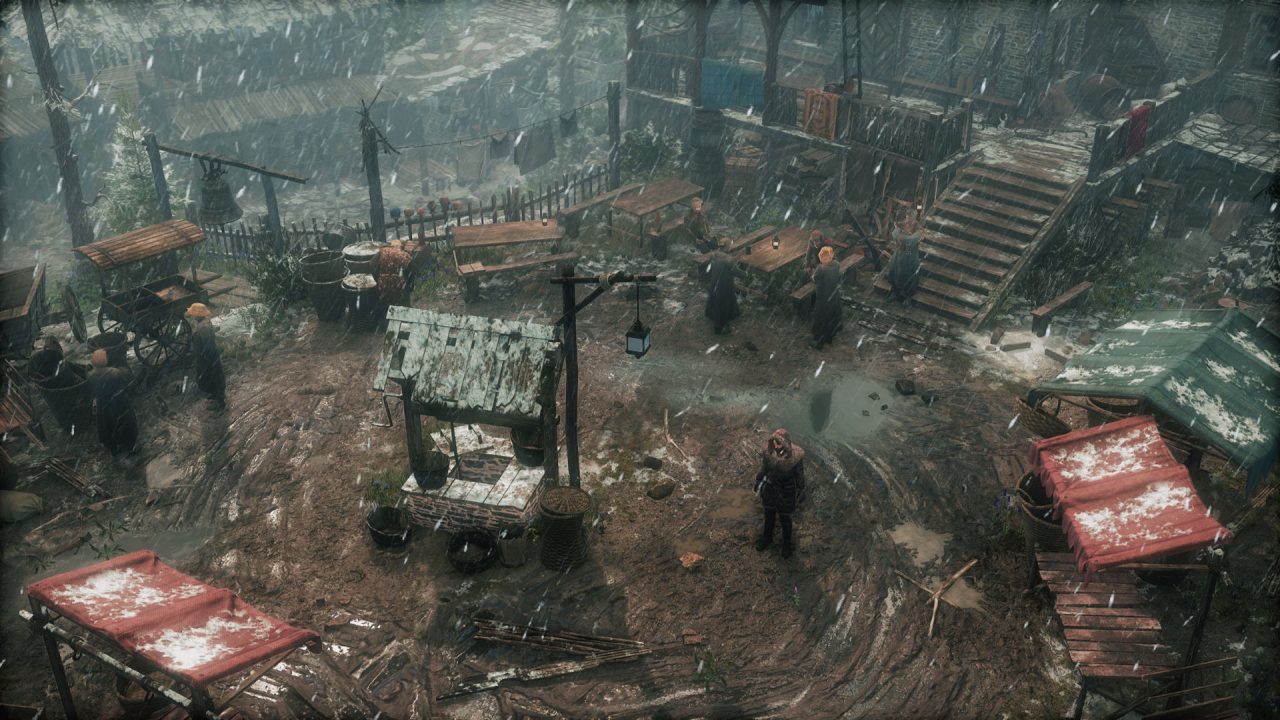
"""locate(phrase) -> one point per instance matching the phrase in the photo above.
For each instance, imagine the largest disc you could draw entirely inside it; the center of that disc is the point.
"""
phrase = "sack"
(18, 506)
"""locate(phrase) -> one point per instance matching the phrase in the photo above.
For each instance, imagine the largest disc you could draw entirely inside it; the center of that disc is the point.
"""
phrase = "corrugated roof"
(147, 242)
(470, 369)
(1122, 496)
(1215, 372)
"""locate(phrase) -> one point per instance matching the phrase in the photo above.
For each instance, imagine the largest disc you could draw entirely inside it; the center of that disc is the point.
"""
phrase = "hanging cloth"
(535, 147)
(471, 160)
(569, 124)
(500, 146)
(1139, 119)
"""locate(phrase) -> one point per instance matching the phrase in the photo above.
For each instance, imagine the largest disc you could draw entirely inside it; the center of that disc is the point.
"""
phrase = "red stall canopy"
(192, 631)
(1121, 495)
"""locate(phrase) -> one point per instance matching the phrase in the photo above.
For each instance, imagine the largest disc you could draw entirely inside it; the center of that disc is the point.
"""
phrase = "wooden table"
(510, 233)
(793, 242)
(653, 198)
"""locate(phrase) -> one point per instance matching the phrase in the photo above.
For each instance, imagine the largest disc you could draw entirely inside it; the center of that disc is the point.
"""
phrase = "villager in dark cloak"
(780, 484)
(827, 308)
(904, 269)
(699, 226)
(817, 241)
(208, 359)
(46, 362)
(117, 423)
(722, 294)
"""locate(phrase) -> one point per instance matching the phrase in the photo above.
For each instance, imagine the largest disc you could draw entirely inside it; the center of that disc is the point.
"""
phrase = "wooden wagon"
(151, 310)
(22, 308)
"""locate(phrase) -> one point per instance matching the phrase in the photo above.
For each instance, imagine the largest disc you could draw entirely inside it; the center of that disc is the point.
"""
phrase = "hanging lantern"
(638, 335)
(217, 206)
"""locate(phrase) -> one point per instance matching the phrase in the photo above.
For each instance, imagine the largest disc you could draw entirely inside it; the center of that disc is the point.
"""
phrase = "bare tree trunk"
(631, 15)
(59, 126)
(568, 38)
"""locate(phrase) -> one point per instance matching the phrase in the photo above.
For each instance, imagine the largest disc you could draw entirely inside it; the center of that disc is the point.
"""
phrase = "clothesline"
(496, 133)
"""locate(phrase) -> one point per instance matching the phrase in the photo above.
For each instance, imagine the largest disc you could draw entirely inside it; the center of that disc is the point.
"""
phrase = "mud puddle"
(161, 473)
(925, 545)
(734, 504)
(963, 595)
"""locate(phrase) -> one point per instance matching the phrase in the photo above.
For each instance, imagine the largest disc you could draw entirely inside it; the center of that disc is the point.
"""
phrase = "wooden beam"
(232, 162)
(157, 175)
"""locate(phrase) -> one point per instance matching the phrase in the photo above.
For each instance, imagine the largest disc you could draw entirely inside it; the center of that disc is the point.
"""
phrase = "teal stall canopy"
(729, 85)
(1214, 372)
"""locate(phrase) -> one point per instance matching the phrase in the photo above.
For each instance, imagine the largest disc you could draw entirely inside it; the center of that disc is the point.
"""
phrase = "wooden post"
(50, 645)
(615, 133)
(568, 37)
(273, 215)
(157, 174)
(774, 20)
(857, 8)
(631, 17)
(570, 342)
(369, 150)
(59, 126)
(701, 19)
(1193, 647)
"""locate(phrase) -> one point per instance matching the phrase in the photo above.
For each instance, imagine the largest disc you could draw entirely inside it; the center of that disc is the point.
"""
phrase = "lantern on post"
(638, 335)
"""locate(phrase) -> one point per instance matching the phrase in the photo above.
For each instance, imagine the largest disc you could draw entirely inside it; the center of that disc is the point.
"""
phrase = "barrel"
(706, 150)
(323, 266)
(361, 291)
(564, 542)
(362, 258)
(70, 398)
(117, 346)
(327, 298)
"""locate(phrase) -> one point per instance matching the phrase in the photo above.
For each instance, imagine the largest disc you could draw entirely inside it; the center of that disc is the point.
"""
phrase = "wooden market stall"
(474, 371)
(141, 619)
(22, 308)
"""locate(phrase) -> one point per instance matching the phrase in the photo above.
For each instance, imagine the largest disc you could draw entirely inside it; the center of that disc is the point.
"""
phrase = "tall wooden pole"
(615, 133)
(273, 215)
(774, 20)
(157, 174)
(369, 149)
(568, 38)
(701, 19)
(844, 45)
(857, 8)
(570, 341)
(631, 17)
(59, 126)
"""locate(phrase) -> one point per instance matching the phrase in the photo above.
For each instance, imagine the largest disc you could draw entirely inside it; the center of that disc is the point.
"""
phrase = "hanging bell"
(217, 206)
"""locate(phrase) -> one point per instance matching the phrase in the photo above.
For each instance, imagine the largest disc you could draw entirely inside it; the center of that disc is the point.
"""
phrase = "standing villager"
(204, 345)
(699, 226)
(904, 269)
(780, 484)
(117, 423)
(722, 293)
(817, 241)
(827, 310)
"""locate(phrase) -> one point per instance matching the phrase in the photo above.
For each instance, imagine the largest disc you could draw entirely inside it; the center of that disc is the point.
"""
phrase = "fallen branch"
(936, 595)
(666, 430)
(492, 680)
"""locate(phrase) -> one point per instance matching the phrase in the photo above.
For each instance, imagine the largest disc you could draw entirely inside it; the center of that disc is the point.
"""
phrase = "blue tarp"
(728, 85)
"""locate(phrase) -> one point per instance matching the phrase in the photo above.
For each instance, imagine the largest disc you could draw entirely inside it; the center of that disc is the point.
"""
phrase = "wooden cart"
(22, 308)
(153, 311)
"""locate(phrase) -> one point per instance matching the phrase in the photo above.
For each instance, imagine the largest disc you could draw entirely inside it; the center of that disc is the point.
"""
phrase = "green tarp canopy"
(1214, 372)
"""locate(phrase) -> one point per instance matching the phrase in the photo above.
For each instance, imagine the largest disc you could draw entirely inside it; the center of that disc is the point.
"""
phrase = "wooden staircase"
(982, 233)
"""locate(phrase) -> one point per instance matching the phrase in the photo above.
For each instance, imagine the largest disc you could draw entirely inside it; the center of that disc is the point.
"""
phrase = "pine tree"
(130, 198)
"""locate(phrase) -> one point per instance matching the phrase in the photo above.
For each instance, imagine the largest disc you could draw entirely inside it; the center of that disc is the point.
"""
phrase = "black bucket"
(117, 346)
(327, 298)
(472, 551)
(361, 292)
(388, 526)
(430, 469)
(323, 266)
(528, 446)
(70, 398)
(1036, 511)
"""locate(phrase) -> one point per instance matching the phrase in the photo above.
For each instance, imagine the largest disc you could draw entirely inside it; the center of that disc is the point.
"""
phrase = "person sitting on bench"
(817, 241)
(700, 227)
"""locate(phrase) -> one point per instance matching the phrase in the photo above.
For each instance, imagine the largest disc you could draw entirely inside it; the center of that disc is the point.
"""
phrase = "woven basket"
(1047, 534)
(1038, 421)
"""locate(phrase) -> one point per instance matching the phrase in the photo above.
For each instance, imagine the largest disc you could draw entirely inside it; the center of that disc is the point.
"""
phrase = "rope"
(501, 132)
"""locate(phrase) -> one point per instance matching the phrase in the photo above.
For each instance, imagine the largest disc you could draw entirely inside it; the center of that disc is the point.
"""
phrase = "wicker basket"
(1048, 535)
(1039, 422)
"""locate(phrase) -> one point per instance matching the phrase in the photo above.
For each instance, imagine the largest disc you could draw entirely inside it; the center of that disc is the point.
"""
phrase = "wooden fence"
(246, 244)
(1167, 117)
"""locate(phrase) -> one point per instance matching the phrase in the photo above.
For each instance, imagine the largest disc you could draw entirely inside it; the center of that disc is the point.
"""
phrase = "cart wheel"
(106, 324)
(167, 340)
(75, 317)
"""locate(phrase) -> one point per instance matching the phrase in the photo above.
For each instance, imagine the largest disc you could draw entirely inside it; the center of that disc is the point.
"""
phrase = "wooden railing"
(927, 137)
(243, 243)
(1167, 117)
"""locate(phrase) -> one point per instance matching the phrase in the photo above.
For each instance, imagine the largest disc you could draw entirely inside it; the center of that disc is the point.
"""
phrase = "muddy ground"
(266, 500)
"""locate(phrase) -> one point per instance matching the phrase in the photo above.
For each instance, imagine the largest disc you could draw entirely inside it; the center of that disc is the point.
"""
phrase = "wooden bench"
(571, 217)
(802, 298)
(471, 273)
(700, 260)
(1041, 316)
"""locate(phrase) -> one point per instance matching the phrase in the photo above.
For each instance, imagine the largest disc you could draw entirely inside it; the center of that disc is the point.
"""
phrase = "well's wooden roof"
(147, 242)
(466, 368)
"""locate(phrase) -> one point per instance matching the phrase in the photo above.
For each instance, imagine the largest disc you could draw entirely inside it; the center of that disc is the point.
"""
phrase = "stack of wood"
(808, 171)
(741, 169)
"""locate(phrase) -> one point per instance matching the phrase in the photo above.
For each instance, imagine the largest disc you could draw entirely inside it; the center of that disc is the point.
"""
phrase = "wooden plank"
(1049, 193)
(1070, 588)
(1194, 690)
(1019, 215)
(989, 272)
(1195, 710)
(1100, 599)
(1116, 646)
(981, 253)
(1111, 671)
(1026, 172)
(481, 269)
(1041, 316)
(511, 233)
(1198, 666)
(1093, 657)
(656, 196)
(1073, 577)
(963, 220)
(1103, 622)
(1112, 635)
(1105, 611)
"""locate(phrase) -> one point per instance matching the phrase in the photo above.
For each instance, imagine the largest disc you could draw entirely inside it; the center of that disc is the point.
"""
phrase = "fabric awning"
(1216, 373)
(186, 628)
(1121, 495)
